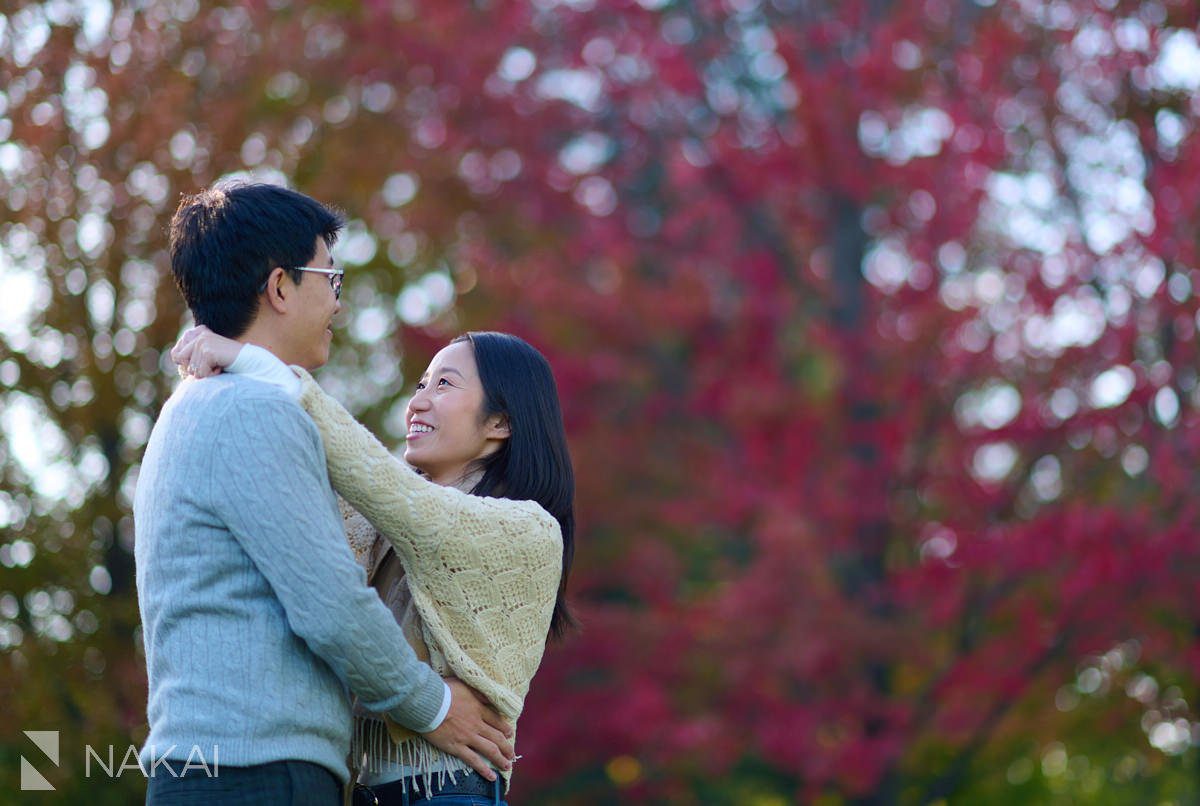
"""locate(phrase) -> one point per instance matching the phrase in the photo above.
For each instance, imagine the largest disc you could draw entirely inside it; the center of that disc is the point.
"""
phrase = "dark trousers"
(280, 783)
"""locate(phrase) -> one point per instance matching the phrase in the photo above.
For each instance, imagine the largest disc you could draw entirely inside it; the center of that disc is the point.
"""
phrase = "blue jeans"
(396, 795)
(280, 783)
(443, 800)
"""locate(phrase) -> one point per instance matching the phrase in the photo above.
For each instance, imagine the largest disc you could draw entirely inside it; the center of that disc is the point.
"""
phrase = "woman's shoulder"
(524, 508)
(522, 520)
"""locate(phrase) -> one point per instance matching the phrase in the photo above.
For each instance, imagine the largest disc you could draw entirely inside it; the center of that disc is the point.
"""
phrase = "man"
(255, 616)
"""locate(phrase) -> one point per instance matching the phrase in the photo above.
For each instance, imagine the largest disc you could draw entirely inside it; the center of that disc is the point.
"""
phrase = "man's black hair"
(226, 240)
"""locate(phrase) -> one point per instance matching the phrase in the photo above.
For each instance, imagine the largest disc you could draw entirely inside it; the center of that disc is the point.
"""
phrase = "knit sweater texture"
(483, 573)
(256, 618)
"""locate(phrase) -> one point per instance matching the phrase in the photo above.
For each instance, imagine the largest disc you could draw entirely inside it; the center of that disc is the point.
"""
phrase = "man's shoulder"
(229, 388)
(228, 397)
(232, 419)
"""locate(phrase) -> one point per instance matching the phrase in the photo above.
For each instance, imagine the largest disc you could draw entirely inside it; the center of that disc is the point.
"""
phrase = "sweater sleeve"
(271, 491)
(483, 572)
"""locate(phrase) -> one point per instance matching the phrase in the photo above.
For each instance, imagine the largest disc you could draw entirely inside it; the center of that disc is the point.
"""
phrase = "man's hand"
(473, 731)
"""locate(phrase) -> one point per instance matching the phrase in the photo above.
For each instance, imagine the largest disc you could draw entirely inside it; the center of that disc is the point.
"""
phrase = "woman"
(473, 558)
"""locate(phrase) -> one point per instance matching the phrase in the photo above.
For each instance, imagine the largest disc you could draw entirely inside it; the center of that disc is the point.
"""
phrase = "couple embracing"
(372, 645)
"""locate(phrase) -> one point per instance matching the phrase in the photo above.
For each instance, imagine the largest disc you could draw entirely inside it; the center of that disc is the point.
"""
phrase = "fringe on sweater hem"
(373, 747)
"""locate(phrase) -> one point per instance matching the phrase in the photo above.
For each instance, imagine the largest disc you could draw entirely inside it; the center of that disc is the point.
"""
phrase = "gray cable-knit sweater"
(255, 615)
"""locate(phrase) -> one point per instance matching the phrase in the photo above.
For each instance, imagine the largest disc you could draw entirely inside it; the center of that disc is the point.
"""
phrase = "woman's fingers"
(203, 353)
(182, 351)
(204, 361)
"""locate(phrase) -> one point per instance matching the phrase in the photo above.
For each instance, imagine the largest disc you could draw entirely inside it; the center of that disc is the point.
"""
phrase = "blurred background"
(874, 324)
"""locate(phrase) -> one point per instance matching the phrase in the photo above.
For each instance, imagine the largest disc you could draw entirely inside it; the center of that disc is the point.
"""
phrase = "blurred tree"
(874, 324)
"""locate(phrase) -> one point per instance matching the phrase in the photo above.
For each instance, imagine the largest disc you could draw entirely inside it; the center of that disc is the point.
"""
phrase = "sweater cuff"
(425, 703)
(441, 714)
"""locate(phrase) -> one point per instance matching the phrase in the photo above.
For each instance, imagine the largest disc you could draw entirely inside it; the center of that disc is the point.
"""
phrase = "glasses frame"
(335, 277)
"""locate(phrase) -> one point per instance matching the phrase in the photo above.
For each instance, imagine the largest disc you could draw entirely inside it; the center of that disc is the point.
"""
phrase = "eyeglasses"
(335, 278)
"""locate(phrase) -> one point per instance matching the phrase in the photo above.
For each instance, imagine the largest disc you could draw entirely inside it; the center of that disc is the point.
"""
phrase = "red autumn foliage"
(873, 324)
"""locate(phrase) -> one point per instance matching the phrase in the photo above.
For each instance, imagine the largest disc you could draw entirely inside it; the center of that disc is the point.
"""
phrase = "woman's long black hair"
(533, 464)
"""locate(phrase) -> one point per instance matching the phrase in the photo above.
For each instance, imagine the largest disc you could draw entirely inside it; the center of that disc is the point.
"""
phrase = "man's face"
(311, 321)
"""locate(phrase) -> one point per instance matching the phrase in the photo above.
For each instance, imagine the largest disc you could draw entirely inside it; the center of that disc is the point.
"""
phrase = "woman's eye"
(420, 384)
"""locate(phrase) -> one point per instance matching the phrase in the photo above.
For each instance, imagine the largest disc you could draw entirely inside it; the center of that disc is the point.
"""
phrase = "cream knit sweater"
(483, 572)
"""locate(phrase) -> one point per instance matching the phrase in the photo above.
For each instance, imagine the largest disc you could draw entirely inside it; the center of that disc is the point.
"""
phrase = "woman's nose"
(419, 401)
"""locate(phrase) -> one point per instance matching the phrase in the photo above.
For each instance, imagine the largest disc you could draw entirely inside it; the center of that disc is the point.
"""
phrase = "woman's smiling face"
(447, 431)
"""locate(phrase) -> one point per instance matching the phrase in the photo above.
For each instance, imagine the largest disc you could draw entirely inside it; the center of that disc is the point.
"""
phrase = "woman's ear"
(498, 427)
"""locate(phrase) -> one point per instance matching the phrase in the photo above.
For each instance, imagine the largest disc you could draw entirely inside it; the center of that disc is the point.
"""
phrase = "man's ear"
(278, 292)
